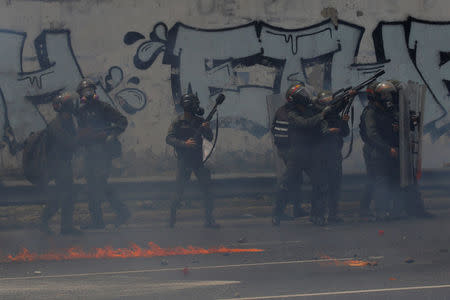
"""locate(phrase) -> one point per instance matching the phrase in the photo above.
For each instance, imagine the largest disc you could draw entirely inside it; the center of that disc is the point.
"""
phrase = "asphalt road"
(299, 261)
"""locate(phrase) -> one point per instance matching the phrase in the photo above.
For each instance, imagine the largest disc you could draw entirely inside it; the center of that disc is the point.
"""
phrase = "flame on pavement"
(134, 251)
(349, 262)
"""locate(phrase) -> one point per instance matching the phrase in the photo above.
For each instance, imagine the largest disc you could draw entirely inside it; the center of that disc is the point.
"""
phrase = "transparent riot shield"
(411, 104)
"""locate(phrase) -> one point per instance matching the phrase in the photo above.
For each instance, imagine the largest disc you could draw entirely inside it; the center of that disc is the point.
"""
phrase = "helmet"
(65, 102)
(298, 94)
(191, 103)
(324, 97)
(386, 94)
(86, 89)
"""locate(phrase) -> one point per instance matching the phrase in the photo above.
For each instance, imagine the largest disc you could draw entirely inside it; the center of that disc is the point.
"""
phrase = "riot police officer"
(379, 131)
(100, 125)
(61, 139)
(304, 123)
(280, 132)
(185, 135)
(333, 133)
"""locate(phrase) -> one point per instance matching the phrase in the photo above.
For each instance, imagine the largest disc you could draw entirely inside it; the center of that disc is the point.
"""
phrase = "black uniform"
(190, 159)
(280, 131)
(102, 123)
(61, 144)
(304, 135)
(331, 147)
(379, 132)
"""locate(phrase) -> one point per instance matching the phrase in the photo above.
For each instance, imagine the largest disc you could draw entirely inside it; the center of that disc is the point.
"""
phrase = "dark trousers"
(314, 168)
(62, 197)
(384, 174)
(184, 171)
(334, 176)
(293, 186)
(98, 165)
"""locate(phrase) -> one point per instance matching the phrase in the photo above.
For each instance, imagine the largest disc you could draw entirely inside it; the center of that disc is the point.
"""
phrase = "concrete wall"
(146, 53)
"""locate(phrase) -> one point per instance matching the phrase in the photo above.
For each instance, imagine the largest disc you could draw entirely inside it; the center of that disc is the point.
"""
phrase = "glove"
(326, 111)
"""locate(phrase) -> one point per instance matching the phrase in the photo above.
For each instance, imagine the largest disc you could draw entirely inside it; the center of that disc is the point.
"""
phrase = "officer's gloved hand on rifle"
(191, 143)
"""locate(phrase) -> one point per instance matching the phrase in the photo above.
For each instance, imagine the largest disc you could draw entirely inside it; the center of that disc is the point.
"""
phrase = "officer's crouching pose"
(185, 135)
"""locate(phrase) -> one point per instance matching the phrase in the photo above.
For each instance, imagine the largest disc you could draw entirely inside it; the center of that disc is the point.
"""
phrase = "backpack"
(35, 158)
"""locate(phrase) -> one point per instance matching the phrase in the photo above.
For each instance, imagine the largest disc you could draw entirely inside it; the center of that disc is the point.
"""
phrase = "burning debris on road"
(134, 251)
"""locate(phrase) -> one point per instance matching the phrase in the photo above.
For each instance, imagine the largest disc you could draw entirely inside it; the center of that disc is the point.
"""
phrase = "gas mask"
(191, 103)
(87, 94)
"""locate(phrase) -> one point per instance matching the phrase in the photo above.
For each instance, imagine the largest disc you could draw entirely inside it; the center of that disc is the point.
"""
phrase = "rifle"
(219, 100)
(343, 98)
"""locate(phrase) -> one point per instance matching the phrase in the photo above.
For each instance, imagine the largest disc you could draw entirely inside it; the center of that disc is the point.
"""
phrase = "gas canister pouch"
(281, 133)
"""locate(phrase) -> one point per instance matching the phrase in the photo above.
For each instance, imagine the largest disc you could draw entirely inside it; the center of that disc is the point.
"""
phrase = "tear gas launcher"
(343, 98)
(219, 101)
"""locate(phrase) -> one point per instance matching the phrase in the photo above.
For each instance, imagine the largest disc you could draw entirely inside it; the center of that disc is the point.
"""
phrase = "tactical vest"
(280, 128)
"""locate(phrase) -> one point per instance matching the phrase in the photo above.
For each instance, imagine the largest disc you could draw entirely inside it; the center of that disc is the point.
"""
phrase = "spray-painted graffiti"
(207, 62)
(22, 92)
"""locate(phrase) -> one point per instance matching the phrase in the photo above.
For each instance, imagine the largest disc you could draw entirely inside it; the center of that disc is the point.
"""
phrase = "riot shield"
(411, 103)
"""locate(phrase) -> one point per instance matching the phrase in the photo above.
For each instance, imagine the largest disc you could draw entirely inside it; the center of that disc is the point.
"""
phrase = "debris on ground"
(37, 272)
(380, 232)
(164, 262)
(186, 271)
(392, 278)
(409, 260)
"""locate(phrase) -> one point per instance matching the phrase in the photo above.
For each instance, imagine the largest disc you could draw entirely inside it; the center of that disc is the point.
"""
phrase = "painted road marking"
(351, 292)
(190, 268)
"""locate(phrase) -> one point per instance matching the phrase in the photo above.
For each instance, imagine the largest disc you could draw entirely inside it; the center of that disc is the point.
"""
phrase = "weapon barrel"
(370, 80)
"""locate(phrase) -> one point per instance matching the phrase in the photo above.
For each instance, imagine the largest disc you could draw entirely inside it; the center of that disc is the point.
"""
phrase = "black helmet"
(65, 102)
(386, 94)
(86, 83)
(86, 88)
(298, 94)
(191, 103)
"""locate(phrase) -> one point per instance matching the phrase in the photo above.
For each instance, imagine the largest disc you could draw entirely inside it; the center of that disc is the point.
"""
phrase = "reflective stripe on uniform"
(282, 122)
(280, 129)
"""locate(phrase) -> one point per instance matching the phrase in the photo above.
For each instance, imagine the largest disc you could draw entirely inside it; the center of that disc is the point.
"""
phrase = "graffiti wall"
(208, 62)
(145, 54)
